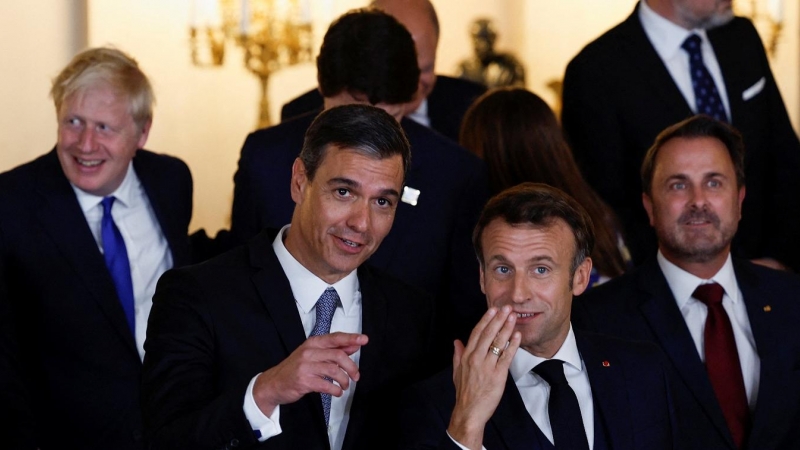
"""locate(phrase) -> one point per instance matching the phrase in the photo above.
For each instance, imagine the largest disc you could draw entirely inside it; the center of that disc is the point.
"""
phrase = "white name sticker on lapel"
(753, 90)
(410, 195)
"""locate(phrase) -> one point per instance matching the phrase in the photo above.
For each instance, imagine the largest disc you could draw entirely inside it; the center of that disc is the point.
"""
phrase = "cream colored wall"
(37, 39)
(204, 114)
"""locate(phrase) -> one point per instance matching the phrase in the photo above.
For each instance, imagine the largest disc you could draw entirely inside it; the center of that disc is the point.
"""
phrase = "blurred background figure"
(440, 101)
(517, 135)
(488, 67)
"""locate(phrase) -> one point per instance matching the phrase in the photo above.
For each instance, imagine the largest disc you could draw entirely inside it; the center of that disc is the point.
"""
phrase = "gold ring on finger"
(495, 350)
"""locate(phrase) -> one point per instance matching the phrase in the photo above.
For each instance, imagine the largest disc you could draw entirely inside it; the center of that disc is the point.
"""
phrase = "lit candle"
(244, 21)
(776, 10)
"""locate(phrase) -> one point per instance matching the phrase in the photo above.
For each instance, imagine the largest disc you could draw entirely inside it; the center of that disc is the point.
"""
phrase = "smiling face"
(97, 138)
(528, 267)
(695, 204)
(343, 214)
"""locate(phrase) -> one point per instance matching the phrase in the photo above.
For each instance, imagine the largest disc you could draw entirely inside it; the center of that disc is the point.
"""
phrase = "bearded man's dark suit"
(447, 104)
(630, 391)
(73, 352)
(640, 305)
(618, 95)
(430, 244)
(216, 325)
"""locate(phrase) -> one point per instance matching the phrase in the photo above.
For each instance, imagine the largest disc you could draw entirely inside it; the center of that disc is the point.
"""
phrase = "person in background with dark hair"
(290, 342)
(86, 230)
(368, 57)
(525, 379)
(440, 101)
(729, 327)
(519, 138)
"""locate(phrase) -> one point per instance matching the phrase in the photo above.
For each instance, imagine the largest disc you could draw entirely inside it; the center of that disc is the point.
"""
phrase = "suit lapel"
(727, 55)
(511, 422)
(374, 313)
(159, 198)
(394, 240)
(276, 295)
(275, 291)
(667, 324)
(652, 71)
(61, 217)
(609, 393)
(774, 356)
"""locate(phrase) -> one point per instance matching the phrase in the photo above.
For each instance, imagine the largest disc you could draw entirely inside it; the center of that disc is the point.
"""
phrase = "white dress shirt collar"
(124, 194)
(666, 36)
(524, 361)
(683, 283)
(420, 115)
(308, 287)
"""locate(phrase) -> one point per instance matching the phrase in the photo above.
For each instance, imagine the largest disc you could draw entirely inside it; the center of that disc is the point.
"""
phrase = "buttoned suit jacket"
(641, 306)
(631, 392)
(216, 325)
(74, 356)
(618, 95)
(429, 245)
(447, 104)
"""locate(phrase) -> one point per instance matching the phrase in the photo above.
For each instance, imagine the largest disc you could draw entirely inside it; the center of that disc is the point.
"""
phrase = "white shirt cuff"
(263, 426)
(458, 444)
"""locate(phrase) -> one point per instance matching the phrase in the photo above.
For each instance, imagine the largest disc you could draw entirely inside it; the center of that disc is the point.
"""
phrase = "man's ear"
(482, 278)
(580, 280)
(299, 180)
(648, 206)
(145, 133)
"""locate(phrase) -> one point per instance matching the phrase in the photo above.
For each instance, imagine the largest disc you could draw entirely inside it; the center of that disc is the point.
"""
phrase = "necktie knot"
(107, 203)
(551, 371)
(692, 45)
(710, 294)
(326, 306)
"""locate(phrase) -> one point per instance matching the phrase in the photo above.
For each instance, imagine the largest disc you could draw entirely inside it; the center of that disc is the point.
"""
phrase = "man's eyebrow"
(387, 192)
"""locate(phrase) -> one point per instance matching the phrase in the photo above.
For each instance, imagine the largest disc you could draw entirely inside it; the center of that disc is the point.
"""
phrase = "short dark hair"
(365, 129)
(369, 52)
(698, 126)
(539, 205)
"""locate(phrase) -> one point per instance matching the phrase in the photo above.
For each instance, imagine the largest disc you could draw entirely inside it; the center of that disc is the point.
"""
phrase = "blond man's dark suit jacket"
(640, 306)
(216, 325)
(73, 360)
(618, 95)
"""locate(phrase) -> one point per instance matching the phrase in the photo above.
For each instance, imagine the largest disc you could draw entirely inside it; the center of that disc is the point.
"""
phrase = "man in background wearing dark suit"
(290, 342)
(368, 57)
(440, 101)
(736, 353)
(634, 81)
(525, 379)
(86, 230)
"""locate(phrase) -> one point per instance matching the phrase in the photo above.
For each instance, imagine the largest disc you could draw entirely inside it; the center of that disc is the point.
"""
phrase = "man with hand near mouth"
(85, 232)
(727, 326)
(291, 341)
(526, 379)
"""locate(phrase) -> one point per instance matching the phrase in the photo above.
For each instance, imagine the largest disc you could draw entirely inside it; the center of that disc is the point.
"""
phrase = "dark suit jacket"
(447, 104)
(640, 305)
(216, 325)
(631, 396)
(618, 96)
(429, 245)
(75, 356)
